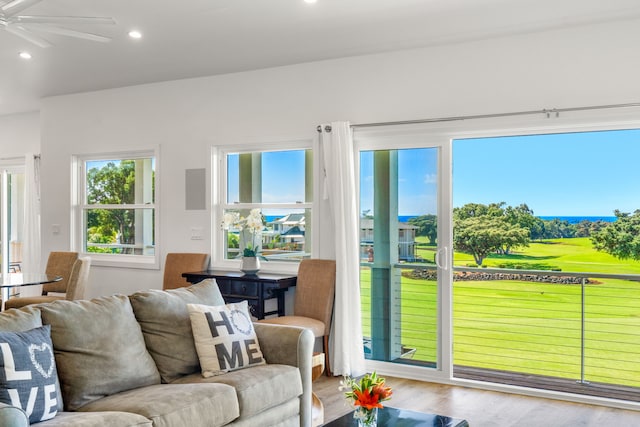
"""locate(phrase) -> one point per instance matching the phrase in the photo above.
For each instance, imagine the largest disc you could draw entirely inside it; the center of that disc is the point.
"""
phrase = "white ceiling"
(192, 38)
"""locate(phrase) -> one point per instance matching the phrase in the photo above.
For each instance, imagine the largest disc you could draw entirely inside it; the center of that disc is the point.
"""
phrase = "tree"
(112, 184)
(484, 229)
(478, 209)
(586, 228)
(427, 226)
(557, 229)
(620, 238)
(523, 216)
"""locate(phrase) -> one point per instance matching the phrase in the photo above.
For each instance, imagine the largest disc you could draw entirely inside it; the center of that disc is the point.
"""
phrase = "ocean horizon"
(570, 219)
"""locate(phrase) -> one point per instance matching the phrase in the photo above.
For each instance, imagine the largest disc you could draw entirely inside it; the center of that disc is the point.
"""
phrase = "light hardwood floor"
(482, 408)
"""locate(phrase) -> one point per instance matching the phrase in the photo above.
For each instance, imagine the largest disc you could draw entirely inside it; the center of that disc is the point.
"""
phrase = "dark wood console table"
(256, 288)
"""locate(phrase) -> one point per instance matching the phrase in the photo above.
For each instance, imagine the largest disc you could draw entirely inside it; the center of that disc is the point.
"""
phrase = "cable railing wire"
(496, 326)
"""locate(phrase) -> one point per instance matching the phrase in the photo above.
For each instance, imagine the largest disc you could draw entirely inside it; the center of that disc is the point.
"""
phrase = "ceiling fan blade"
(15, 6)
(27, 35)
(32, 19)
(68, 32)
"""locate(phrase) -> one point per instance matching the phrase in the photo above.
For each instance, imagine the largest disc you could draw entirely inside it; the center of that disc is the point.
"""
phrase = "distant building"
(289, 229)
(406, 240)
(286, 223)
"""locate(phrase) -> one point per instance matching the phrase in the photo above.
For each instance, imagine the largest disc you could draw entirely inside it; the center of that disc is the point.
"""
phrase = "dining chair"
(79, 279)
(59, 264)
(181, 262)
(76, 283)
(314, 299)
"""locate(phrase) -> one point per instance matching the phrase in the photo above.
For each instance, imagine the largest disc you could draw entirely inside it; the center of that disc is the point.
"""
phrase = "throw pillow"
(165, 324)
(224, 337)
(99, 348)
(28, 376)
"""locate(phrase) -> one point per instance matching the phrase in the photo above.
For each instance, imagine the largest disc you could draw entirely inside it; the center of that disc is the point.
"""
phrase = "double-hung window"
(277, 180)
(115, 217)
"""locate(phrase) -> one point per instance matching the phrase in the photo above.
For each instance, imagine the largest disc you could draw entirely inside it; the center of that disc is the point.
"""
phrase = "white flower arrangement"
(252, 225)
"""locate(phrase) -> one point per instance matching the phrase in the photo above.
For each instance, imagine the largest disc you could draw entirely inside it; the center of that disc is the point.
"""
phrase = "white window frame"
(79, 205)
(219, 200)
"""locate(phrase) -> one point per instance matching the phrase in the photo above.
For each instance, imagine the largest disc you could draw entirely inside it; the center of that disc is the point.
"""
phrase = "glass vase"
(366, 417)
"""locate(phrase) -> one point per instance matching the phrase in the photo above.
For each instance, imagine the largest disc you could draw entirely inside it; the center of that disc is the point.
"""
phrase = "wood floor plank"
(481, 408)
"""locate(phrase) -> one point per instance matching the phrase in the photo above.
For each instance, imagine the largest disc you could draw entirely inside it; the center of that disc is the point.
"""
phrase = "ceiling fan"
(29, 26)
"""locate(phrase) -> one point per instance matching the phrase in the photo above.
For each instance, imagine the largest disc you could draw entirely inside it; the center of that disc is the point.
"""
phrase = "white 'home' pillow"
(224, 337)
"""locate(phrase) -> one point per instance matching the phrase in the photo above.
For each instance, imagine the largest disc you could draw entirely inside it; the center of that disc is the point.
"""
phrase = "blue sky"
(282, 177)
(575, 174)
(417, 181)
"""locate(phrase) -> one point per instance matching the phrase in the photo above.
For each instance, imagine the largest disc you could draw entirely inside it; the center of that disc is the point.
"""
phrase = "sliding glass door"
(541, 287)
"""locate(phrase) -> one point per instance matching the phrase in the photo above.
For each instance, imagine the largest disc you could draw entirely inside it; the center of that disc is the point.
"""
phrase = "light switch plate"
(196, 233)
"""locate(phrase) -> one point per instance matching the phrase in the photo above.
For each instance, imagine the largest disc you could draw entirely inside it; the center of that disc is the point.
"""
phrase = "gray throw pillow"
(165, 323)
(28, 377)
(99, 349)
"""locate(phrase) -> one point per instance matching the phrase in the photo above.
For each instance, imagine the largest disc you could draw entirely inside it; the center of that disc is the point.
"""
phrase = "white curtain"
(339, 206)
(31, 249)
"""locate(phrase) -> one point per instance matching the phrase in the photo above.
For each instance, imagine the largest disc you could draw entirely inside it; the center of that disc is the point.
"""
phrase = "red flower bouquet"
(366, 394)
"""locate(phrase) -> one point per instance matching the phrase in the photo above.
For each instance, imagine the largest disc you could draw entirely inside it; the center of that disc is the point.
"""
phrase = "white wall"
(591, 65)
(19, 134)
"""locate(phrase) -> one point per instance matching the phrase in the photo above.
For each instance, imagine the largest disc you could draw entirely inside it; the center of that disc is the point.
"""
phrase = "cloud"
(431, 178)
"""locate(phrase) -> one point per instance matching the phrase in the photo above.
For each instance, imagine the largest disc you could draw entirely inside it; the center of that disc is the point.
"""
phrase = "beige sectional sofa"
(131, 361)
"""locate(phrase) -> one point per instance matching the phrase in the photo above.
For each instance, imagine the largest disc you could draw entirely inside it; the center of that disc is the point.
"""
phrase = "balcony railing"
(577, 332)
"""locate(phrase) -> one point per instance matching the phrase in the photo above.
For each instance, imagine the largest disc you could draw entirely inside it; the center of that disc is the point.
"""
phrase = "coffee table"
(393, 417)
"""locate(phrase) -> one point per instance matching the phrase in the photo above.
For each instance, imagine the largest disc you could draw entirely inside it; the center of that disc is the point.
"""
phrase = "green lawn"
(566, 254)
(532, 327)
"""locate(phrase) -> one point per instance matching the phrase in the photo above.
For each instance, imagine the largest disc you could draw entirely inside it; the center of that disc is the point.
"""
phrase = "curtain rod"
(35, 156)
(548, 113)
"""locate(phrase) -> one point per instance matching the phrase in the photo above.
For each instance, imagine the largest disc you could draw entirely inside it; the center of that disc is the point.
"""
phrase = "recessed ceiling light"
(25, 55)
(310, 1)
(135, 34)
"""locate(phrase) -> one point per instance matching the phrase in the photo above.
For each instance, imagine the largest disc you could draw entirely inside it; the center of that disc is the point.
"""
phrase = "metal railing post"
(582, 331)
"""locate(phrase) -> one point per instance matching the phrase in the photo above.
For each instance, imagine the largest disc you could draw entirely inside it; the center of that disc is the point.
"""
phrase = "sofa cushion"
(165, 323)
(99, 348)
(193, 405)
(21, 319)
(258, 388)
(28, 377)
(99, 419)
(224, 336)
(285, 415)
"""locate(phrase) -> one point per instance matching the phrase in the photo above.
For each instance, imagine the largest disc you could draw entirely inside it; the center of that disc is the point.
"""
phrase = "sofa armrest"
(290, 345)
(10, 416)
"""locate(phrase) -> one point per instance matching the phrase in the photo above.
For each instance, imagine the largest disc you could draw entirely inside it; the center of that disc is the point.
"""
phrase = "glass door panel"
(399, 251)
